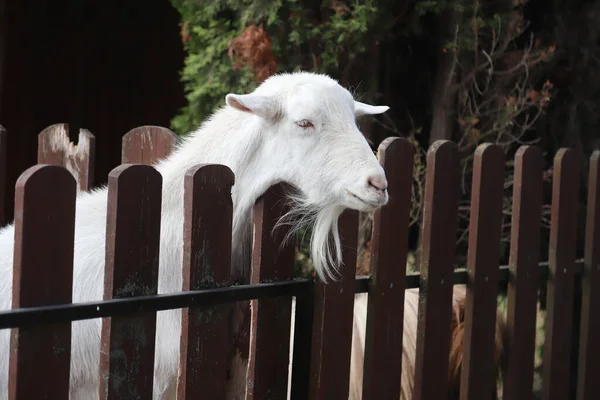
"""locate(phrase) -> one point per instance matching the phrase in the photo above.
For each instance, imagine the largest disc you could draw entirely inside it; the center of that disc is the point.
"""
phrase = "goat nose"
(378, 182)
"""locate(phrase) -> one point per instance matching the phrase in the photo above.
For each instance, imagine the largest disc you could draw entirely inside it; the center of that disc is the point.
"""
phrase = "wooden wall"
(107, 66)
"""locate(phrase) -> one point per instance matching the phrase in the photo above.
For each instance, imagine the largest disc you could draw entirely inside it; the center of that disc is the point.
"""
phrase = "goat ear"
(263, 106)
(362, 109)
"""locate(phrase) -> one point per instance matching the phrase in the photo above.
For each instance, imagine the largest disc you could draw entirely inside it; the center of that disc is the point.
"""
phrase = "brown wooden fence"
(44, 231)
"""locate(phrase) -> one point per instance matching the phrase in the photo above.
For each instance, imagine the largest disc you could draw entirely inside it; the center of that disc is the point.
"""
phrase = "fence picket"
(524, 274)
(132, 254)
(332, 326)
(588, 386)
(559, 317)
(389, 249)
(437, 265)
(270, 328)
(147, 145)
(42, 275)
(55, 147)
(44, 230)
(206, 263)
(3, 165)
(485, 225)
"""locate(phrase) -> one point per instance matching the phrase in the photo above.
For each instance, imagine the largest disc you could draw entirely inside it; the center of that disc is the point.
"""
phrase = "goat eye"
(304, 123)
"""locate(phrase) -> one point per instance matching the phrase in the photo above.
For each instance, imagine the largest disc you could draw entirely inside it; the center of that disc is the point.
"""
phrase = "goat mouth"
(368, 203)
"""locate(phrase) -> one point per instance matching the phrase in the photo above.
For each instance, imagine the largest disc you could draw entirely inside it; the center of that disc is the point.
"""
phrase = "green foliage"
(325, 37)
(207, 74)
(394, 51)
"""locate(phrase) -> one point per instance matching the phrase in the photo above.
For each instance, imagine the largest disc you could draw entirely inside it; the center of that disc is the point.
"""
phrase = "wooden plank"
(332, 324)
(388, 268)
(55, 147)
(272, 260)
(559, 317)
(206, 263)
(43, 275)
(147, 145)
(3, 165)
(524, 274)
(483, 262)
(588, 385)
(437, 265)
(132, 255)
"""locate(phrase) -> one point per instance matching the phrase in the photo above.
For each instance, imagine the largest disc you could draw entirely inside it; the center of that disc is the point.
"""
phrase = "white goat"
(299, 128)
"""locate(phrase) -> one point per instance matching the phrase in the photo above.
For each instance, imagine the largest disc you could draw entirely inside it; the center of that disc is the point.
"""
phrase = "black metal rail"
(122, 306)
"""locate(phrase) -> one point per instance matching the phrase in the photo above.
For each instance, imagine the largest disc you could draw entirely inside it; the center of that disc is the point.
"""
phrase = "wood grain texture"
(147, 145)
(55, 147)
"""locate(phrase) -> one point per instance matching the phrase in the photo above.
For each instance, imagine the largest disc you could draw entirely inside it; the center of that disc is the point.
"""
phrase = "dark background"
(106, 66)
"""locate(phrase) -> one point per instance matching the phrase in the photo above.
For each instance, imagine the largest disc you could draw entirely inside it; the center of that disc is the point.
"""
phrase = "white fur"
(264, 138)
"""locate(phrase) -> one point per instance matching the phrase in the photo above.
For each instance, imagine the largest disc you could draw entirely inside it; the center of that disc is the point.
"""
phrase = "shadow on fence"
(43, 271)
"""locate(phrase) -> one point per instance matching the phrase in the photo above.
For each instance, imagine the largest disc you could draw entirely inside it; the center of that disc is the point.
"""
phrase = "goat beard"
(322, 221)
